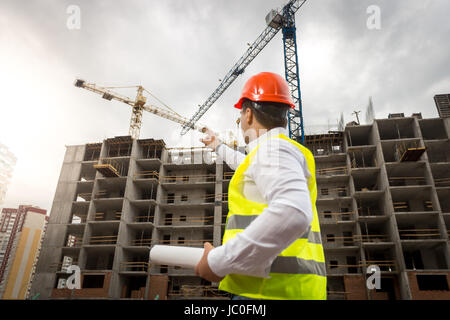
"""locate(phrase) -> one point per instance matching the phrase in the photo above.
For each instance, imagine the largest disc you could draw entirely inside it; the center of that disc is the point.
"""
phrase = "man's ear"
(249, 115)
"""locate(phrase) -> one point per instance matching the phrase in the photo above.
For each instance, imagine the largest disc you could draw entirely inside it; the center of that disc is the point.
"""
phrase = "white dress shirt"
(276, 177)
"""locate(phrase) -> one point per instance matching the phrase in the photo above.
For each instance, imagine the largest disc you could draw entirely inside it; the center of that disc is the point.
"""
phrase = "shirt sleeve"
(233, 158)
(279, 172)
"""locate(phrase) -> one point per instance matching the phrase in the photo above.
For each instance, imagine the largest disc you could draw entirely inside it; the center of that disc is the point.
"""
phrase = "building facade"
(383, 201)
(21, 234)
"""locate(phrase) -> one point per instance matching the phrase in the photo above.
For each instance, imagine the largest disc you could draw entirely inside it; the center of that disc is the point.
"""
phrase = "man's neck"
(262, 134)
(256, 133)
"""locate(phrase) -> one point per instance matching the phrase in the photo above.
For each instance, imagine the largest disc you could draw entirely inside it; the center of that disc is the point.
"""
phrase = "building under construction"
(383, 199)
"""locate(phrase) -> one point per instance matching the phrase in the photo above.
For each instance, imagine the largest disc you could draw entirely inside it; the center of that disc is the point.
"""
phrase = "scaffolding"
(86, 196)
(358, 160)
(332, 171)
(197, 291)
(101, 215)
(187, 178)
(413, 234)
(144, 218)
(405, 181)
(189, 219)
(341, 191)
(151, 149)
(103, 240)
(347, 240)
(119, 146)
(146, 174)
(228, 175)
(338, 216)
(140, 266)
(408, 151)
(92, 152)
(442, 182)
(208, 198)
(110, 168)
(324, 144)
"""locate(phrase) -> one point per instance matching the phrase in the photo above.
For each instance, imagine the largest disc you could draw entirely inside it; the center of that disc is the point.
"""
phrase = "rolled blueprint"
(185, 257)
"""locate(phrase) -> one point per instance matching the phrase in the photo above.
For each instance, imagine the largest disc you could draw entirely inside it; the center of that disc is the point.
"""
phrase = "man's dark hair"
(269, 114)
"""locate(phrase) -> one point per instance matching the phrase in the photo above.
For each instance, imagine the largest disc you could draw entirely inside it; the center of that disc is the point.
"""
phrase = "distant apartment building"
(21, 234)
(7, 163)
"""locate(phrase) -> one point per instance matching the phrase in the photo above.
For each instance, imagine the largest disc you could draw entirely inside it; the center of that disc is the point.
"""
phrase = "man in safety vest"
(272, 248)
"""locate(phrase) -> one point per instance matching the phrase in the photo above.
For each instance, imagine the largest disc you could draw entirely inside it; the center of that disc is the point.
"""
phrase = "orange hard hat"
(266, 86)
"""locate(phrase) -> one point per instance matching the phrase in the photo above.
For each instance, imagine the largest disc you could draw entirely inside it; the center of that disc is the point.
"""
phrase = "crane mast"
(276, 21)
(292, 75)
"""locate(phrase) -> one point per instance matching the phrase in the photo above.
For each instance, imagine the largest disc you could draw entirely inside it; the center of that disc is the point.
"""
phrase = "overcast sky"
(179, 49)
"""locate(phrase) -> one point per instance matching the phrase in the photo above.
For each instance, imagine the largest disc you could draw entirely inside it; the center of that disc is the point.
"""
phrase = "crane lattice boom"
(276, 20)
(138, 106)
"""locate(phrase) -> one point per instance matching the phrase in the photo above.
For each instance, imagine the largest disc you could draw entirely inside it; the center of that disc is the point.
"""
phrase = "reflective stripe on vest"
(299, 271)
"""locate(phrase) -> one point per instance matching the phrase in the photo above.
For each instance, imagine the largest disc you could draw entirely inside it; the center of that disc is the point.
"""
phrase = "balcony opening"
(99, 260)
(92, 151)
(359, 135)
(168, 219)
(438, 151)
(93, 281)
(363, 157)
(401, 128)
(119, 146)
(351, 262)
(151, 149)
(324, 144)
(432, 282)
(166, 239)
(406, 174)
(133, 287)
(433, 129)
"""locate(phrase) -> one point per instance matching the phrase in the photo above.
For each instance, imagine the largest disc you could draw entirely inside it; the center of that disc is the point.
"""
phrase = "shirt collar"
(270, 133)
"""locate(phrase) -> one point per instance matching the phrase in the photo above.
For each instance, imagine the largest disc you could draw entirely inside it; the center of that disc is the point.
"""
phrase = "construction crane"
(139, 106)
(276, 21)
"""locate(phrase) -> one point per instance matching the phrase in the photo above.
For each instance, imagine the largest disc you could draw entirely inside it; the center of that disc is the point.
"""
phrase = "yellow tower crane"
(139, 105)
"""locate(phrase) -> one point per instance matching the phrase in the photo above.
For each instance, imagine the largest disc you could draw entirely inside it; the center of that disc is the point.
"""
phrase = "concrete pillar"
(60, 213)
(217, 232)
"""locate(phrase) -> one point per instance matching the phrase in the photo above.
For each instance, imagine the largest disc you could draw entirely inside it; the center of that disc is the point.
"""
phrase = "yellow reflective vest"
(298, 272)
